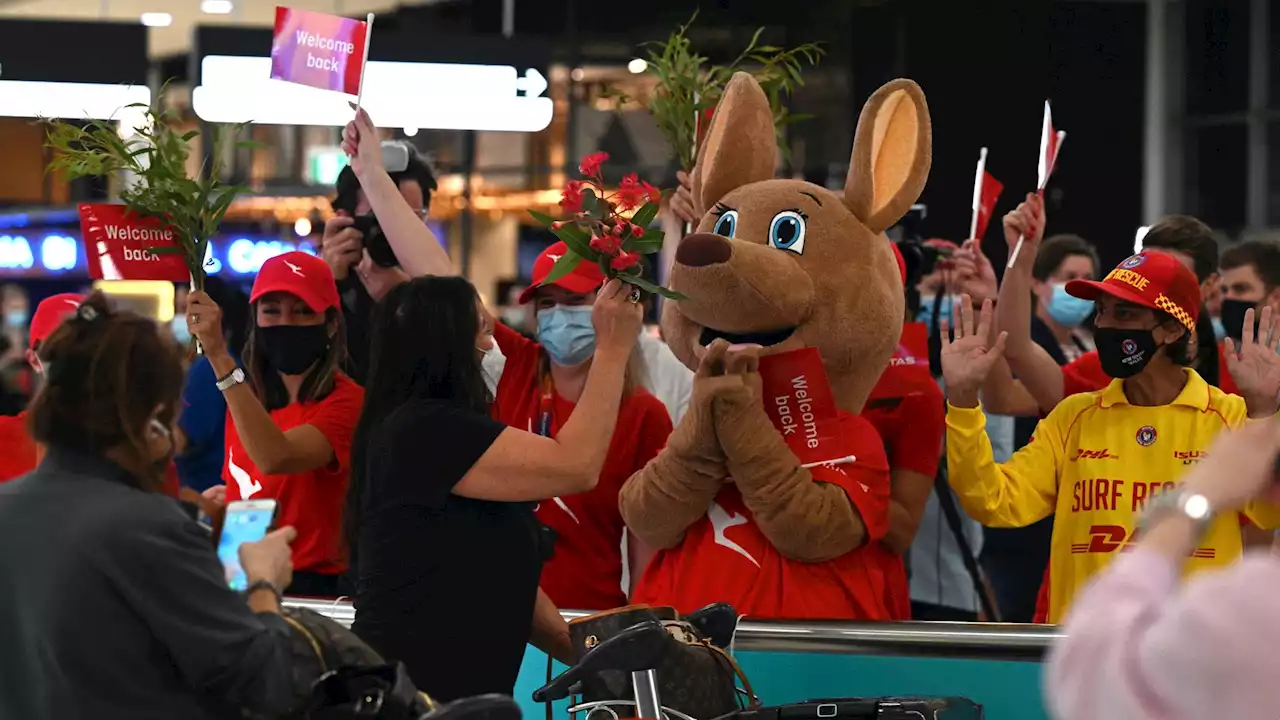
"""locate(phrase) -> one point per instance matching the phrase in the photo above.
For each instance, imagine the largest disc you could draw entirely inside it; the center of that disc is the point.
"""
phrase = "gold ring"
(635, 295)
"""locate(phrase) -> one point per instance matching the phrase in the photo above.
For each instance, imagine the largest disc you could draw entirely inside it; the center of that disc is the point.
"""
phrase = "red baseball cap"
(902, 262)
(49, 315)
(300, 274)
(1154, 280)
(584, 279)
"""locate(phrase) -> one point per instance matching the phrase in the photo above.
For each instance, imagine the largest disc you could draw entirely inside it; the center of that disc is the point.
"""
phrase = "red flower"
(637, 231)
(571, 196)
(632, 192)
(624, 260)
(606, 244)
(590, 166)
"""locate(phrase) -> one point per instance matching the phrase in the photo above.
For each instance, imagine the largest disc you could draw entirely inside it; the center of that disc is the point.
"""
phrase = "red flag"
(799, 401)
(119, 245)
(1050, 143)
(990, 192)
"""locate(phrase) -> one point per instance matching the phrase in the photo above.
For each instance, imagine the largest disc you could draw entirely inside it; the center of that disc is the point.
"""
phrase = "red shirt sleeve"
(866, 480)
(1084, 374)
(655, 428)
(919, 448)
(510, 342)
(1226, 383)
(336, 417)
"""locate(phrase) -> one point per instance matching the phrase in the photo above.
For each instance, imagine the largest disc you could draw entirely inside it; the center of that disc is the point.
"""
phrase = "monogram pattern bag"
(694, 677)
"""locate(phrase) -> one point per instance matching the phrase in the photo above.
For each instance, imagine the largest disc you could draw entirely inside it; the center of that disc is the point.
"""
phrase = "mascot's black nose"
(703, 249)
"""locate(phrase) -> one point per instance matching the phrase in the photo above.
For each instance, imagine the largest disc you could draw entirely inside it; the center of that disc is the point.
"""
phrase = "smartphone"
(245, 521)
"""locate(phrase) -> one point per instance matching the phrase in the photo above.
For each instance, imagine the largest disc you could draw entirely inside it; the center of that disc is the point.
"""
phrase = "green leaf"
(576, 239)
(565, 265)
(189, 136)
(166, 250)
(644, 245)
(650, 287)
(645, 215)
(542, 218)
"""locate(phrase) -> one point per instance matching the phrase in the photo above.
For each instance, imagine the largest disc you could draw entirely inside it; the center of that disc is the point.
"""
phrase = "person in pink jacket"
(1140, 643)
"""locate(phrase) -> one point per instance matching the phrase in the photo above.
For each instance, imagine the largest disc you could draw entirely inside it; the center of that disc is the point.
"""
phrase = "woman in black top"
(114, 604)
(440, 508)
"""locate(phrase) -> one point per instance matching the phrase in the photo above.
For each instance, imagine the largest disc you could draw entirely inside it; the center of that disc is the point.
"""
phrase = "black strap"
(947, 502)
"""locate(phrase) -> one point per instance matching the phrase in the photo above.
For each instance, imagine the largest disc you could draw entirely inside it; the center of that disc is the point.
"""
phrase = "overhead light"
(637, 66)
(463, 97)
(154, 19)
(216, 7)
(302, 227)
(410, 132)
(578, 74)
(70, 101)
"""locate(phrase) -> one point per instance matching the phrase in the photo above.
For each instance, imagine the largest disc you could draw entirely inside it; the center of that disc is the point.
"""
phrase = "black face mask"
(291, 349)
(1124, 353)
(1233, 317)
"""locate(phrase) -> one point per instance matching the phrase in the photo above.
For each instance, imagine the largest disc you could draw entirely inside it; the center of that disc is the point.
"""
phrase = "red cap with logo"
(49, 315)
(300, 274)
(1153, 280)
(584, 279)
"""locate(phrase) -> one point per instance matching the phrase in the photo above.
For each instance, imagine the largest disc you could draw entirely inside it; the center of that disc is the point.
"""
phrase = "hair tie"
(87, 313)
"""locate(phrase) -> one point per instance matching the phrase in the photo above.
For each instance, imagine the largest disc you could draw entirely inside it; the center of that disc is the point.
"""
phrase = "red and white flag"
(986, 190)
(1050, 146)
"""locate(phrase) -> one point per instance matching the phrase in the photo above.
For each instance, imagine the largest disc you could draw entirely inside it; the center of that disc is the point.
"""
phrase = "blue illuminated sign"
(39, 253)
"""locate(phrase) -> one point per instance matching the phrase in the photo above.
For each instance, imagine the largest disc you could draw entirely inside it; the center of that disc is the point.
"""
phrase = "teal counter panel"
(1007, 690)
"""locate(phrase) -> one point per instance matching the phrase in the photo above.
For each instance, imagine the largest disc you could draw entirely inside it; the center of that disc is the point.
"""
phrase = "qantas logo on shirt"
(249, 485)
(721, 521)
(896, 361)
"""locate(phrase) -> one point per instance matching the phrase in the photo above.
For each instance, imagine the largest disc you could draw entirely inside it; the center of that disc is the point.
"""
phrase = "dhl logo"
(1103, 454)
(1105, 539)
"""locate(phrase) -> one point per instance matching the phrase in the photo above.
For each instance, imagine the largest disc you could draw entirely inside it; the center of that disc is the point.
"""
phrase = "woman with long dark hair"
(441, 507)
(114, 603)
(291, 410)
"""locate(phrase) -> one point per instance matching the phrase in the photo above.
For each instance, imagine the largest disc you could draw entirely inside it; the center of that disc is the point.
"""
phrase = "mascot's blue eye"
(786, 232)
(727, 224)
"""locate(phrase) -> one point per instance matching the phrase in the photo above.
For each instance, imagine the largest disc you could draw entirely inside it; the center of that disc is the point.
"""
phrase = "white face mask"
(491, 365)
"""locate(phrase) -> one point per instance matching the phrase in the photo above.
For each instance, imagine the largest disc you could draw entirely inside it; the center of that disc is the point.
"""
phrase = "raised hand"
(967, 359)
(972, 273)
(1027, 222)
(361, 144)
(204, 321)
(617, 316)
(682, 200)
(1255, 364)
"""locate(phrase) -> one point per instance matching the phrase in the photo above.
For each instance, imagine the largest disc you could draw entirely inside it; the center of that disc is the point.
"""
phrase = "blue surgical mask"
(16, 318)
(181, 333)
(1066, 310)
(566, 332)
(926, 311)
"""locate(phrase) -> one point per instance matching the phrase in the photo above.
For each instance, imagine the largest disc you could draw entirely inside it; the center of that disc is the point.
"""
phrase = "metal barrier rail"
(983, 641)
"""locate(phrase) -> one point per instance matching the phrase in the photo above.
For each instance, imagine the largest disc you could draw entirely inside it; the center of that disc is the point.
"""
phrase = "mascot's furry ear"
(740, 147)
(892, 152)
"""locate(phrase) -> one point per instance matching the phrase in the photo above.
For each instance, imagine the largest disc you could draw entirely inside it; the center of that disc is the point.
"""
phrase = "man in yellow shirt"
(1099, 457)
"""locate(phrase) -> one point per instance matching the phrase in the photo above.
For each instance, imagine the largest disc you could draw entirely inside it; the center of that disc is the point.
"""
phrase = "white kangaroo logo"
(722, 521)
(296, 270)
(249, 486)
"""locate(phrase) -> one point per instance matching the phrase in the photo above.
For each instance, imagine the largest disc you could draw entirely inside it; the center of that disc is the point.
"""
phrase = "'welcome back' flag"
(318, 50)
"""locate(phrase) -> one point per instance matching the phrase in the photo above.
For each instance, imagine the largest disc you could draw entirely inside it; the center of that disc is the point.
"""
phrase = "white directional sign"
(68, 100)
(437, 96)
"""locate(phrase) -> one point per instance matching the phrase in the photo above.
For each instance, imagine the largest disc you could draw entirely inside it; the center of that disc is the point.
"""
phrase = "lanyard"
(546, 404)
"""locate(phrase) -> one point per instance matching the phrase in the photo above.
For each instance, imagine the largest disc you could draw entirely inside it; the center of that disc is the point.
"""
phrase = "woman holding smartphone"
(291, 411)
(441, 507)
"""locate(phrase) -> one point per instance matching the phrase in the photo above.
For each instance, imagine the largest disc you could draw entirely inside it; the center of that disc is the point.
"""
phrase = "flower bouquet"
(157, 157)
(599, 229)
(688, 89)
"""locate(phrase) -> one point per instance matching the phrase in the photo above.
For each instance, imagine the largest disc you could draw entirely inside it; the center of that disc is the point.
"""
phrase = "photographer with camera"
(357, 249)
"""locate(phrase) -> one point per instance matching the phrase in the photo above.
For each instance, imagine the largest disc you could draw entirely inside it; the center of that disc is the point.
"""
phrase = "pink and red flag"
(319, 50)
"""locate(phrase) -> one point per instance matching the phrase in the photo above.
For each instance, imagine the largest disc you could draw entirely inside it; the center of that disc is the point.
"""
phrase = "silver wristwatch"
(1178, 501)
(235, 377)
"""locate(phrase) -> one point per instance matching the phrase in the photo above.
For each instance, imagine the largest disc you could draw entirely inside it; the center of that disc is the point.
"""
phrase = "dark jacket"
(113, 604)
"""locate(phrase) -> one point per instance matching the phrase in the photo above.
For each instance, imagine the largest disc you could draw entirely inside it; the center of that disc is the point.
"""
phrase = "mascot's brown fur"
(837, 288)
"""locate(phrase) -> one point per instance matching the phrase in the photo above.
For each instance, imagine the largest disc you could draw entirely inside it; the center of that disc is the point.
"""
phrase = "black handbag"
(382, 692)
(695, 676)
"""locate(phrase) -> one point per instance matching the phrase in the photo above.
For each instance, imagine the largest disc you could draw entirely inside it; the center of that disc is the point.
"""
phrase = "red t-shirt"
(311, 501)
(586, 571)
(907, 410)
(18, 455)
(726, 558)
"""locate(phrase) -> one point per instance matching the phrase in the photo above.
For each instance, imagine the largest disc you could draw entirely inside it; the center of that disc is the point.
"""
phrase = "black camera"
(375, 241)
(919, 258)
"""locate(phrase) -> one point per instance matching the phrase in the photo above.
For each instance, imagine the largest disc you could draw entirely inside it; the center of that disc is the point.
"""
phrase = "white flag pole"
(364, 62)
(977, 192)
(1043, 169)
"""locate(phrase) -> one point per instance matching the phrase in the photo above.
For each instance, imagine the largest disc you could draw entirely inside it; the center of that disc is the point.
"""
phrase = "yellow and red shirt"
(1093, 463)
